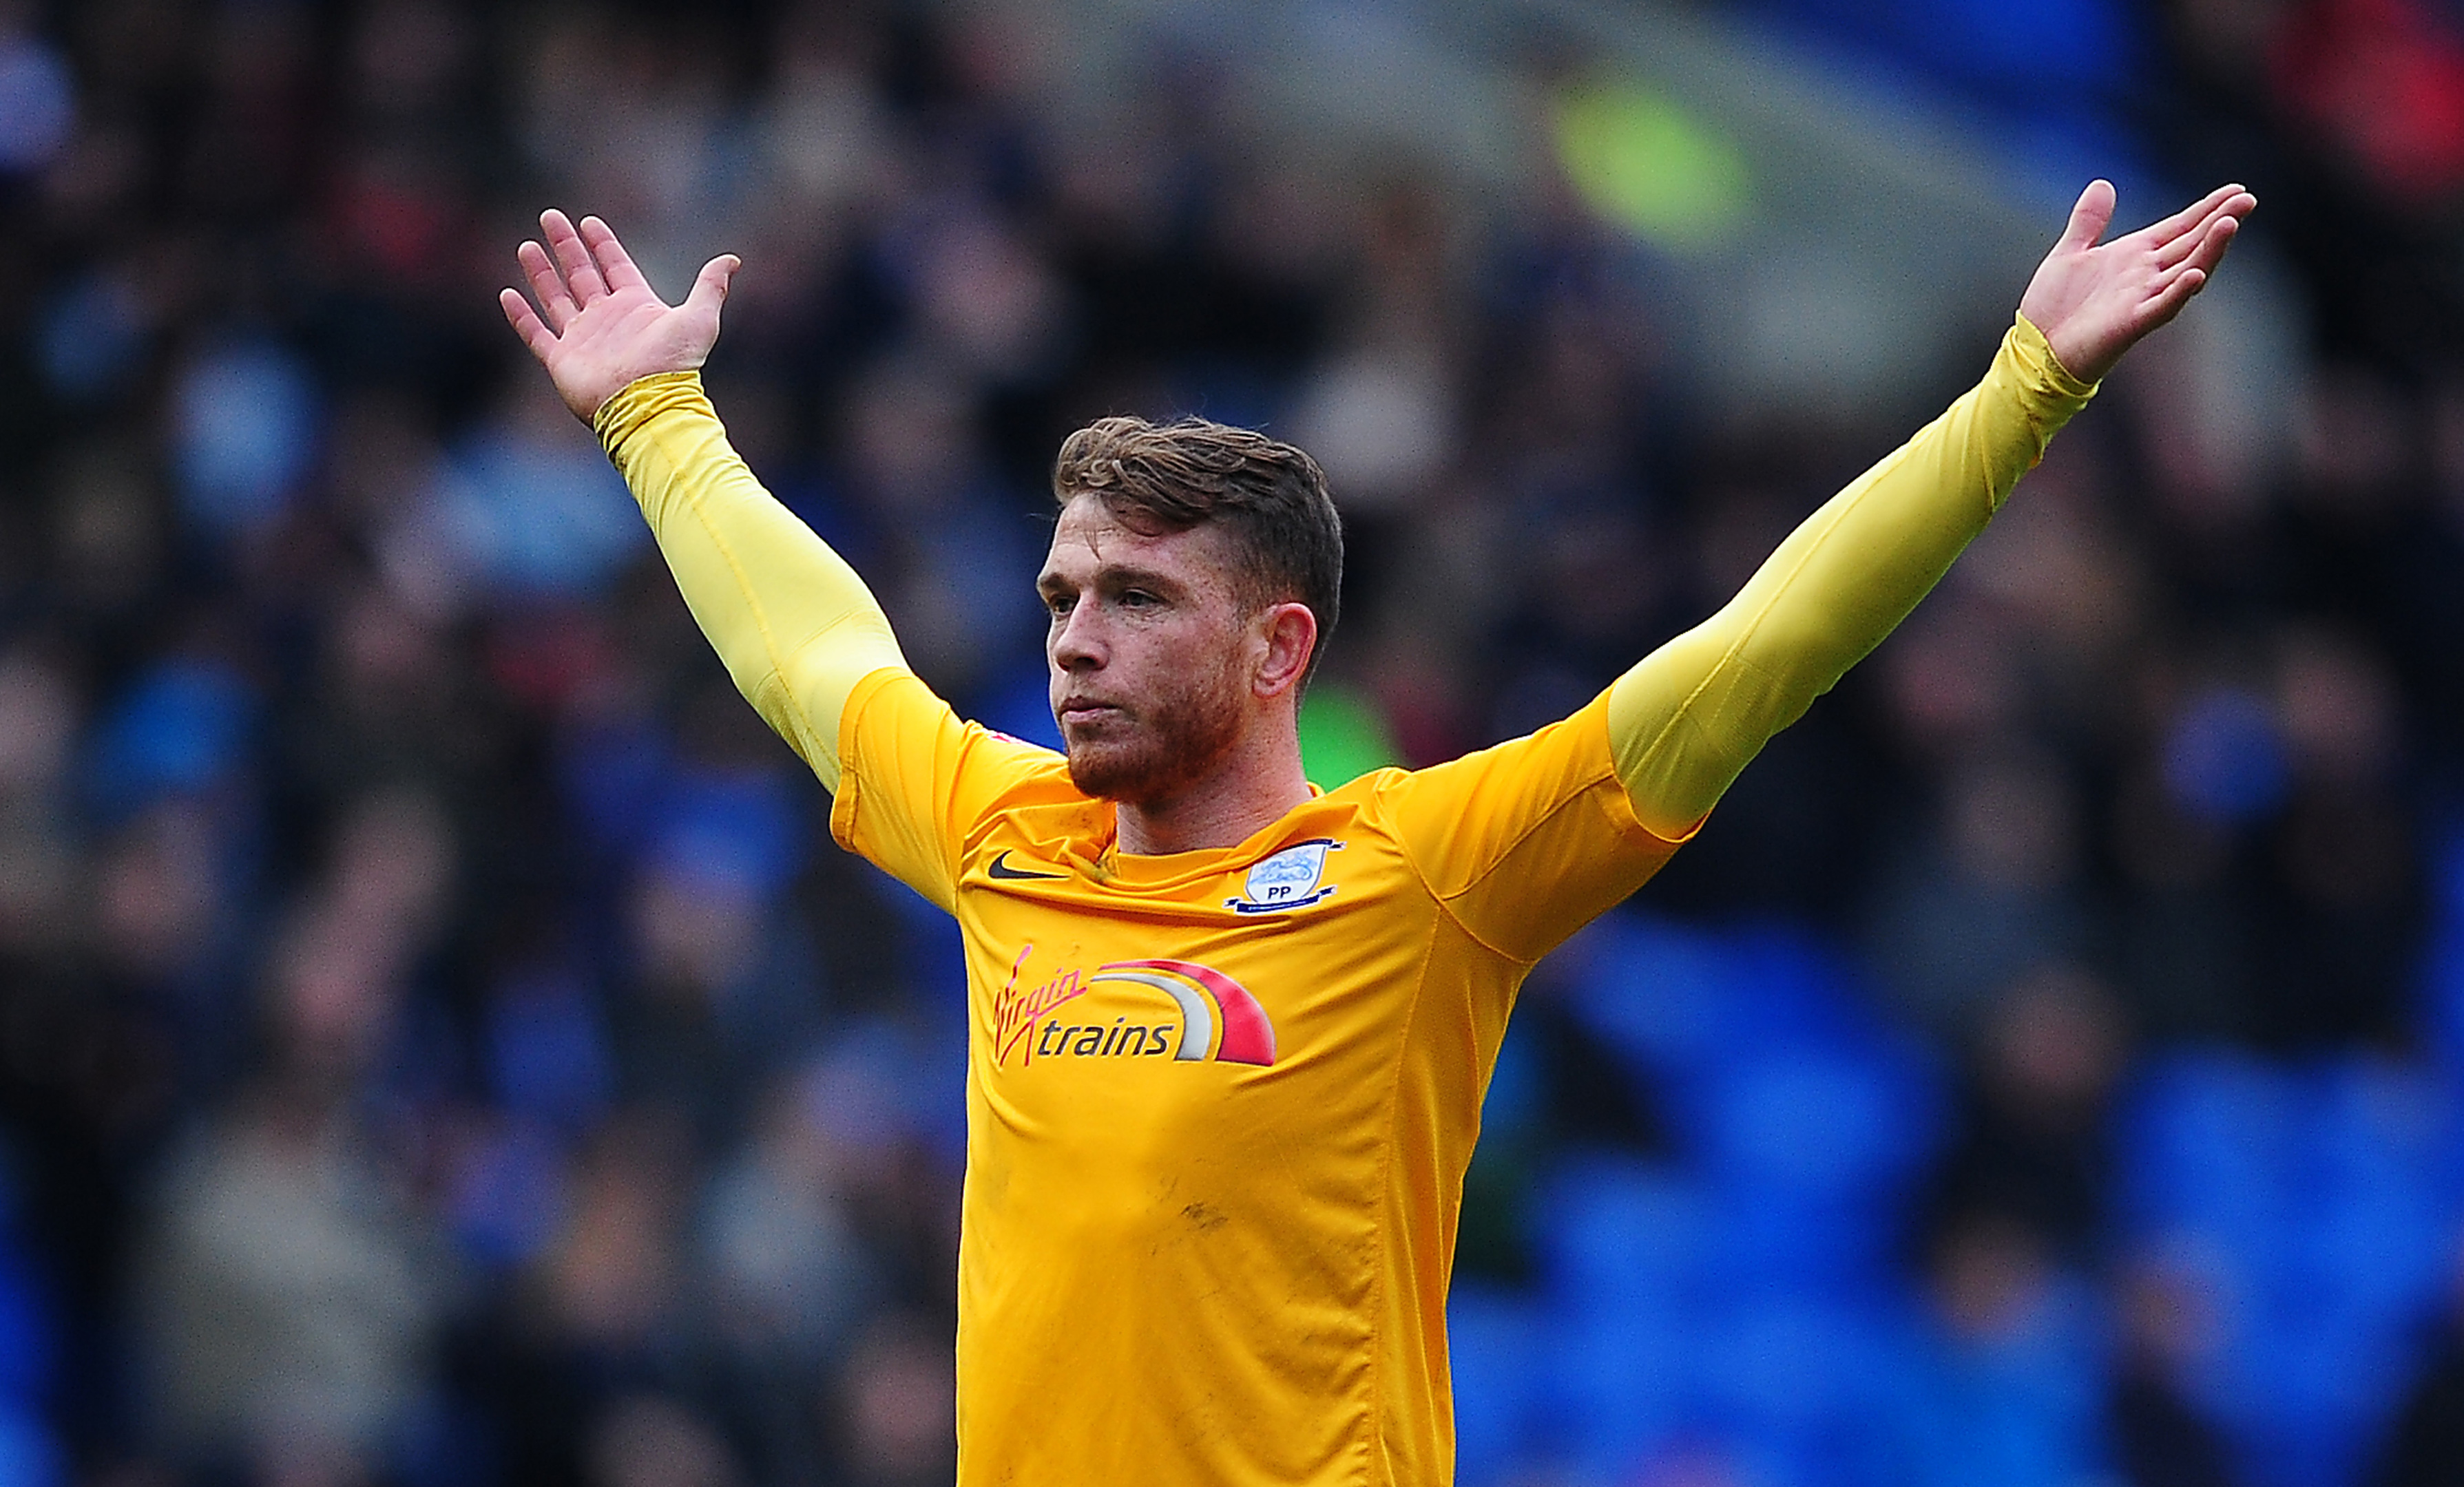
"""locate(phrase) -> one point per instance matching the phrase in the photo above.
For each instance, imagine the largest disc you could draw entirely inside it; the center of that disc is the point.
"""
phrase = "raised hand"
(2094, 300)
(603, 325)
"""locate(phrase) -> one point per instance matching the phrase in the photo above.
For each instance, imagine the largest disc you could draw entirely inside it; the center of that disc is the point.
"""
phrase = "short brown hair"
(1270, 497)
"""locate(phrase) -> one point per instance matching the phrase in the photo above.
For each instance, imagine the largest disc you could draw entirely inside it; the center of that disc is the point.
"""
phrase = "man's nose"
(1077, 642)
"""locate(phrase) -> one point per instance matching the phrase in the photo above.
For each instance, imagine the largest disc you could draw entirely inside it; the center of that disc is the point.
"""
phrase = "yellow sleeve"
(1691, 715)
(919, 780)
(794, 626)
(1527, 842)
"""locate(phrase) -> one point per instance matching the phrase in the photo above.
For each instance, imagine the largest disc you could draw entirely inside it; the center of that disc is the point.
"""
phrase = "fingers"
(547, 286)
(2184, 223)
(2171, 299)
(614, 263)
(2089, 217)
(526, 323)
(2174, 288)
(2207, 249)
(586, 263)
(2179, 248)
(572, 256)
(2226, 214)
(710, 286)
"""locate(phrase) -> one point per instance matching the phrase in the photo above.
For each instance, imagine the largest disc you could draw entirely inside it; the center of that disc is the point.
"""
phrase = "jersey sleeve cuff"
(2044, 371)
(644, 398)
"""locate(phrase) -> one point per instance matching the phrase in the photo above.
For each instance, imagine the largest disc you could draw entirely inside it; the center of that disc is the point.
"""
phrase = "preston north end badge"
(1288, 878)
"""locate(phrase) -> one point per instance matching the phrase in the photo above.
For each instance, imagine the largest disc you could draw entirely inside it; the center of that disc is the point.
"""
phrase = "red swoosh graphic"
(1248, 1037)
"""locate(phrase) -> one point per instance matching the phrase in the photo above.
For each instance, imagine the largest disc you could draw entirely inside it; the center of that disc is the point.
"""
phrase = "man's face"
(1150, 650)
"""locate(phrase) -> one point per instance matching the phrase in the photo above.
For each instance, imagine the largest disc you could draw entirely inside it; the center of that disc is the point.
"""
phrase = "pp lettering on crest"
(1292, 878)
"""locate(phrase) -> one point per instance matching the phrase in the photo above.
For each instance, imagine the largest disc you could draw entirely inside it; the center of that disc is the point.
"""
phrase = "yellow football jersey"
(1220, 1103)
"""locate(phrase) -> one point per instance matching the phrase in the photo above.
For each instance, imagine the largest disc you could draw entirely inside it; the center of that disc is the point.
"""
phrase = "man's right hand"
(599, 324)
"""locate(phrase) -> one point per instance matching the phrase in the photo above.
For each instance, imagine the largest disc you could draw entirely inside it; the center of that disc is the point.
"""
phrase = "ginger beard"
(1154, 747)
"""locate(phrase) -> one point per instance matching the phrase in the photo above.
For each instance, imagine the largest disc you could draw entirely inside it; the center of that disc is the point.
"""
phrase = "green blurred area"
(1342, 737)
(1647, 164)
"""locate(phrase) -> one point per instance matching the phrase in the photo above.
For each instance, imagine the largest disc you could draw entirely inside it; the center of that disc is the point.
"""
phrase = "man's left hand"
(2095, 300)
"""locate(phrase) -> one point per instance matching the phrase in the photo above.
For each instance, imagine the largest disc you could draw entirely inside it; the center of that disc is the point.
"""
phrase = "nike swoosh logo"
(1000, 869)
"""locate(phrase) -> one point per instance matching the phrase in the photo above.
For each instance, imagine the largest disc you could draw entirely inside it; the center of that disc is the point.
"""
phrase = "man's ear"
(1290, 631)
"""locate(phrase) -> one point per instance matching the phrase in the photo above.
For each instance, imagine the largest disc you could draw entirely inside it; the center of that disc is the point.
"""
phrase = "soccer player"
(1227, 1034)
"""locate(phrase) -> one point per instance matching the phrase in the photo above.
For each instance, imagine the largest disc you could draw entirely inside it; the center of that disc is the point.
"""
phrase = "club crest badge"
(1292, 878)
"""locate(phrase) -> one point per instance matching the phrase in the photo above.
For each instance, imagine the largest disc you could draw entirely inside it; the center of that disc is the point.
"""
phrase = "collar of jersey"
(1177, 869)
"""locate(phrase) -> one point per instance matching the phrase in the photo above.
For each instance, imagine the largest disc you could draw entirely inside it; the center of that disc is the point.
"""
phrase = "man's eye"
(1057, 603)
(1137, 598)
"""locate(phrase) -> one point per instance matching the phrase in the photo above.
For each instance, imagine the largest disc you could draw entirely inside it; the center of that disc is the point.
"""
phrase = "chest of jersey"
(1144, 1046)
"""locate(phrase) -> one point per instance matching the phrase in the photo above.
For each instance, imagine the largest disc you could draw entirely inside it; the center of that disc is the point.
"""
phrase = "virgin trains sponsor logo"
(1202, 1016)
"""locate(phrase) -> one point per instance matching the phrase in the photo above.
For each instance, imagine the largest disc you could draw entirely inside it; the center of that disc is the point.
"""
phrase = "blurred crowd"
(439, 1045)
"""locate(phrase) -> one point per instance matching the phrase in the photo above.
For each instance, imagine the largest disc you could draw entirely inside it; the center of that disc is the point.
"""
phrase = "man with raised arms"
(1227, 1034)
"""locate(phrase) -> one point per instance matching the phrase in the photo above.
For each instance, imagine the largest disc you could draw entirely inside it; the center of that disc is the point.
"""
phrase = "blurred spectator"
(2427, 1443)
(1992, 894)
(533, 507)
(2166, 1325)
(38, 95)
(789, 1278)
(1995, 1394)
(779, 1240)
(897, 1399)
(2343, 909)
(292, 1304)
(2031, 1143)
(647, 1441)
(38, 855)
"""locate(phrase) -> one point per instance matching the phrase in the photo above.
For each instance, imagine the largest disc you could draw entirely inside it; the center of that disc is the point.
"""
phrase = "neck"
(1252, 789)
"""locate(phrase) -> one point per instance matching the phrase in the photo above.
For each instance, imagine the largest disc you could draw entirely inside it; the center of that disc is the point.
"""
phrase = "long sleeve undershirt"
(1694, 713)
(797, 628)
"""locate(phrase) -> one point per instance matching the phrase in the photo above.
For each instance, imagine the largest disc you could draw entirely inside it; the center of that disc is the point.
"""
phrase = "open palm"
(2094, 300)
(599, 324)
